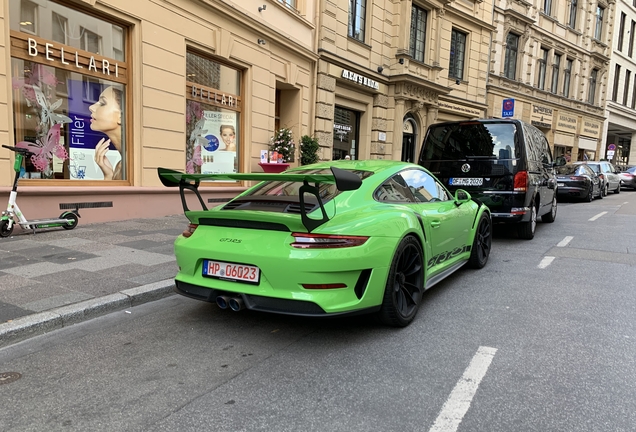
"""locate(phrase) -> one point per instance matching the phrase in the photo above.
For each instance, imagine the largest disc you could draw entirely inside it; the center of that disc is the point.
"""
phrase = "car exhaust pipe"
(236, 304)
(222, 302)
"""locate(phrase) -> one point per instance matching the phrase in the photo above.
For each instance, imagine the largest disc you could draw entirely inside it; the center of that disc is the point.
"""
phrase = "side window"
(606, 168)
(546, 155)
(424, 187)
(394, 190)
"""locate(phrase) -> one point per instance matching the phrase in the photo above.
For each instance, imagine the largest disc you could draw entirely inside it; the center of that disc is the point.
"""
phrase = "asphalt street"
(542, 339)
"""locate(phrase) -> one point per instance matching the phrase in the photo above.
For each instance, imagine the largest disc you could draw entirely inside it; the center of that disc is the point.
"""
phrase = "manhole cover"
(9, 377)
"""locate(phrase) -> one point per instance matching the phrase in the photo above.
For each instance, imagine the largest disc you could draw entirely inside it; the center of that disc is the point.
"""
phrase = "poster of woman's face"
(96, 138)
(218, 154)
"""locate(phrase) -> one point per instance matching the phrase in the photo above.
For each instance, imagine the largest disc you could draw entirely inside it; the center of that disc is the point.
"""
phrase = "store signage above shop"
(459, 108)
(362, 80)
(541, 116)
(212, 96)
(591, 128)
(63, 56)
(567, 123)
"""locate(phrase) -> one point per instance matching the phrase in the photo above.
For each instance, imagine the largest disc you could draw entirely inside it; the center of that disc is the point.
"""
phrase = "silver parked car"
(607, 173)
(628, 177)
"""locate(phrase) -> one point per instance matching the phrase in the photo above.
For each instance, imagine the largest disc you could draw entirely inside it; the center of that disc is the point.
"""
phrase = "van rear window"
(458, 141)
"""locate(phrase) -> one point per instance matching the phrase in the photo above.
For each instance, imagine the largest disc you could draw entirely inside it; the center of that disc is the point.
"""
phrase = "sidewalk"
(57, 277)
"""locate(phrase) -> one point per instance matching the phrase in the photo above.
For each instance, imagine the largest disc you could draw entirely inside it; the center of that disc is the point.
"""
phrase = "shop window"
(69, 108)
(346, 124)
(213, 116)
(418, 33)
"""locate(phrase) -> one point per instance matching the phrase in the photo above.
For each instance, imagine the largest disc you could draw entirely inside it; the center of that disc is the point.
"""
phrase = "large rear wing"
(344, 181)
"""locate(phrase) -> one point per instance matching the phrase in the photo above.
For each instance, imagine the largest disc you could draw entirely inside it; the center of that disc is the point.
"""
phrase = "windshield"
(285, 188)
(463, 140)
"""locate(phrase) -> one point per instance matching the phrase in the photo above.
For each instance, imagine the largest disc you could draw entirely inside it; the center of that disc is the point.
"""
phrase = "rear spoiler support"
(344, 181)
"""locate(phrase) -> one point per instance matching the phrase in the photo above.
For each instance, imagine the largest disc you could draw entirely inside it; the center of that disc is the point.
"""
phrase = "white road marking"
(592, 219)
(462, 395)
(546, 261)
(565, 241)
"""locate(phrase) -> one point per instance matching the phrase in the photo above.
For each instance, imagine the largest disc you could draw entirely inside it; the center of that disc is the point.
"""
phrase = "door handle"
(435, 224)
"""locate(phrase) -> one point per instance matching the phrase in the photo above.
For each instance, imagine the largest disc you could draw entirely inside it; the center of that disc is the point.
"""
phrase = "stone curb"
(34, 325)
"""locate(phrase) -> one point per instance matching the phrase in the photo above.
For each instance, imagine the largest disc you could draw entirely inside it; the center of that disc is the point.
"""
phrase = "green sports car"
(329, 239)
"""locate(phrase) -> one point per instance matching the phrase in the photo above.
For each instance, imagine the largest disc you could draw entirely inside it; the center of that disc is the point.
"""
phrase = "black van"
(504, 163)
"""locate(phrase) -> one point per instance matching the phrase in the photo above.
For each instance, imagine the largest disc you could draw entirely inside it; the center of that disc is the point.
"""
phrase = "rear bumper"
(266, 304)
(575, 192)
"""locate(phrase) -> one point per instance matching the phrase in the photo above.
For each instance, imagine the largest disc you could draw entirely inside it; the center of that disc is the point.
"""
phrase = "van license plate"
(465, 181)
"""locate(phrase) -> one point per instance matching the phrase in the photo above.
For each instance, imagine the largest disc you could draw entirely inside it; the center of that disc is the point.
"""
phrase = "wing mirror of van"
(461, 197)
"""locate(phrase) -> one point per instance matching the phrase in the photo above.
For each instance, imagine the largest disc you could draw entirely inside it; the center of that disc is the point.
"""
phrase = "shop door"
(408, 147)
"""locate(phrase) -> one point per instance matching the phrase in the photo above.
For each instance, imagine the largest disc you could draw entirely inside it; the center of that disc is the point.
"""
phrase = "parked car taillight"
(189, 230)
(521, 181)
(325, 241)
(577, 178)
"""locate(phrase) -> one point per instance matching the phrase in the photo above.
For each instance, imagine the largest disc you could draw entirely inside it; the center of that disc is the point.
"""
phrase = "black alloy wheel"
(5, 231)
(590, 195)
(481, 244)
(404, 285)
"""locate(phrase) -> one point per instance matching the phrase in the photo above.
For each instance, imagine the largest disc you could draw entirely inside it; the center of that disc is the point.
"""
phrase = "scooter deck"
(44, 223)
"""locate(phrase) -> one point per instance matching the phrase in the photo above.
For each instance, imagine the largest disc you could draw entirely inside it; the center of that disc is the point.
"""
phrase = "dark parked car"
(606, 171)
(504, 163)
(628, 178)
(578, 181)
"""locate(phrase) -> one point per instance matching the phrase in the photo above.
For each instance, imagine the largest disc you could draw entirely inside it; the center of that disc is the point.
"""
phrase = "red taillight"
(324, 286)
(521, 181)
(325, 241)
(189, 230)
(577, 178)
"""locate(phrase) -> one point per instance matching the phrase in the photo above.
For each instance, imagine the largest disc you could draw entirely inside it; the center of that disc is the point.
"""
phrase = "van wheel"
(526, 230)
(551, 216)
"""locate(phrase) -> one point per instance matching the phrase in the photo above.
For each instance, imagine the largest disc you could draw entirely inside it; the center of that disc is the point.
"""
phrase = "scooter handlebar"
(24, 151)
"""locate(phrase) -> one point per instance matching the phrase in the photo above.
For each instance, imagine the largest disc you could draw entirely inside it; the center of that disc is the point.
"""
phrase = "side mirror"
(461, 197)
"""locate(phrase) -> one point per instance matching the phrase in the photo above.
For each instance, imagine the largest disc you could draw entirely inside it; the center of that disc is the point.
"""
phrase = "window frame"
(456, 64)
(628, 78)
(572, 18)
(598, 28)
(357, 21)
(547, 7)
(418, 55)
(556, 70)
(591, 92)
(630, 50)
(621, 31)
(542, 69)
(617, 75)
(567, 77)
(514, 52)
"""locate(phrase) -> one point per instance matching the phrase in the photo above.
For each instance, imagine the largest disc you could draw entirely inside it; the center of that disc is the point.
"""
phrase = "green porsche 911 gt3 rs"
(332, 238)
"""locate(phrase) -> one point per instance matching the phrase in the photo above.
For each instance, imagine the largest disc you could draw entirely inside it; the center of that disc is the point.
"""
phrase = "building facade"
(388, 69)
(104, 92)
(619, 143)
(550, 66)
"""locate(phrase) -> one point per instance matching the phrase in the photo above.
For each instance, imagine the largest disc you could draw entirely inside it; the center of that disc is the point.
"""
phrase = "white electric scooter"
(68, 220)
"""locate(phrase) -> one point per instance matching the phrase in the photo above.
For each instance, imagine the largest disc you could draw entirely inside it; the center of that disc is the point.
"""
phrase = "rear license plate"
(465, 181)
(560, 184)
(231, 271)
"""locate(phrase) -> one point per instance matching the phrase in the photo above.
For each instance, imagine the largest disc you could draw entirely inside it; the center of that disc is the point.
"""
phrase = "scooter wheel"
(70, 217)
(5, 230)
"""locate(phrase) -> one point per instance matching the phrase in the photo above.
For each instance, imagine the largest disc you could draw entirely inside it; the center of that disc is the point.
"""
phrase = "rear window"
(290, 189)
(569, 170)
(496, 141)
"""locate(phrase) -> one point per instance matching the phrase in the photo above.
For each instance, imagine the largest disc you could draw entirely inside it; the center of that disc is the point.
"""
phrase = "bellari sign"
(49, 51)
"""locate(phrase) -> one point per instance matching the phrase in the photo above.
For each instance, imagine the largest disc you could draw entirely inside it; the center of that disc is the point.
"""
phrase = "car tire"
(590, 196)
(481, 243)
(404, 286)
(600, 192)
(551, 215)
(5, 231)
(526, 230)
(605, 190)
(618, 189)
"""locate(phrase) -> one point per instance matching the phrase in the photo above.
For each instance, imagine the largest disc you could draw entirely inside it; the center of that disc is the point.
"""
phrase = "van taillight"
(521, 181)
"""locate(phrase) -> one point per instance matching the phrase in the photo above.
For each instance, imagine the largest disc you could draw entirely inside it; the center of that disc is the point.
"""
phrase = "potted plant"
(282, 143)
(308, 150)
